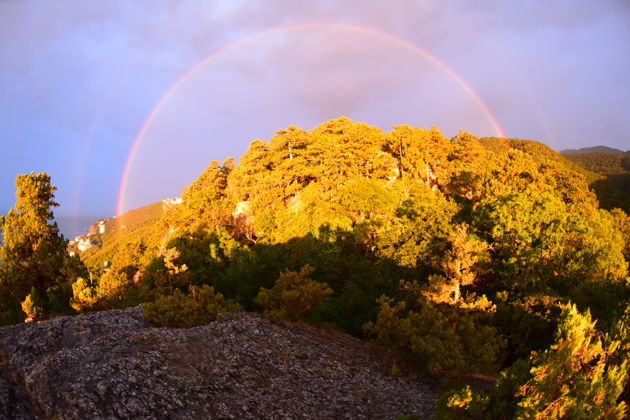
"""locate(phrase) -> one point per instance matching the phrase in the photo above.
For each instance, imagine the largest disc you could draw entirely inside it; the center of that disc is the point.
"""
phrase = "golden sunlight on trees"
(442, 340)
(460, 255)
(572, 378)
(35, 268)
(32, 306)
(84, 295)
(580, 376)
(457, 266)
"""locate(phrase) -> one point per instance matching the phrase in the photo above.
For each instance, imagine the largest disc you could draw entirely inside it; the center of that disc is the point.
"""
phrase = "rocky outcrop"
(242, 214)
(167, 203)
(114, 365)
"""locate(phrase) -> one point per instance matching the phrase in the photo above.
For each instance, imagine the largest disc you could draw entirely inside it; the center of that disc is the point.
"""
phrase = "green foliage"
(612, 186)
(601, 162)
(572, 378)
(33, 256)
(421, 154)
(418, 229)
(489, 237)
(116, 286)
(620, 348)
(580, 376)
(293, 294)
(622, 222)
(457, 266)
(462, 403)
(365, 198)
(543, 242)
(443, 341)
(84, 295)
(179, 310)
(33, 305)
(527, 322)
(202, 204)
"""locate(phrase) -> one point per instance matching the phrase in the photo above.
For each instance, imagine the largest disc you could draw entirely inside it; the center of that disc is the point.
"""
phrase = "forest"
(610, 178)
(485, 262)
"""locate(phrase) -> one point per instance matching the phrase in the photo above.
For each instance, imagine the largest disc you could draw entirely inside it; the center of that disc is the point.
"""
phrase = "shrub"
(574, 378)
(33, 305)
(462, 403)
(84, 295)
(293, 294)
(179, 310)
(448, 341)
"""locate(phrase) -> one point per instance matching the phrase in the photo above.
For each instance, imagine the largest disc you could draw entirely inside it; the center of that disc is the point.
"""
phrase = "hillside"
(602, 163)
(594, 149)
(465, 257)
(114, 365)
(612, 186)
(104, 235)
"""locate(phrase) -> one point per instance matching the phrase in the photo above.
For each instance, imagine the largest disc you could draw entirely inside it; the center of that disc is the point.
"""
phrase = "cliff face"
(113, 364)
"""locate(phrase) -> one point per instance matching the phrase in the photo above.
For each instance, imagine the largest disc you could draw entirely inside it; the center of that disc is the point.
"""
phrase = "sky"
(124, 102)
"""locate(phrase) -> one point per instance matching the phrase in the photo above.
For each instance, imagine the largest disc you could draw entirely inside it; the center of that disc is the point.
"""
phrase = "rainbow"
(245, 40)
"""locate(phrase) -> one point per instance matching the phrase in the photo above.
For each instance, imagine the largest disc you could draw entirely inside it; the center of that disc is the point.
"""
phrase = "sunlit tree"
(33, 255)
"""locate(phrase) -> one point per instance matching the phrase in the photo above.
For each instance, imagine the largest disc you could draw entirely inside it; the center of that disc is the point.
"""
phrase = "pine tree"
(33, 254)
(572, 379)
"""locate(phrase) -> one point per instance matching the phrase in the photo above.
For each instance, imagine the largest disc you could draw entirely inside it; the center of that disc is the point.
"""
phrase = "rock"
(113, 364)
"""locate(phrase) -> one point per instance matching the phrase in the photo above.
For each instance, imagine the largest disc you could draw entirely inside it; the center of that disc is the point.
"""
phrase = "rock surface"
(114, 365)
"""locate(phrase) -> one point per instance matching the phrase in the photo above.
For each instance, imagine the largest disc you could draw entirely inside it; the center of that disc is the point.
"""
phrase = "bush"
(84, 295)
(441, 341)
(292, 295)
(462, 403)
(33, 305)
(181, 310)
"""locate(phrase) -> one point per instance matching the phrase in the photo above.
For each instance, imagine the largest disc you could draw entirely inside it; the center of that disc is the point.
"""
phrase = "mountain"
(113, 364)
(601, 162)
(601, 149)
(612, 183)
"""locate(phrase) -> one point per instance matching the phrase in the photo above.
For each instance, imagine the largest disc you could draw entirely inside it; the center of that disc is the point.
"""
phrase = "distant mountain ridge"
(593, 149)
(612, 167)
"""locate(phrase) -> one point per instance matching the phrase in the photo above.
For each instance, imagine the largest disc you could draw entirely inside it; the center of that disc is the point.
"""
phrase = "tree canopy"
(461, 255)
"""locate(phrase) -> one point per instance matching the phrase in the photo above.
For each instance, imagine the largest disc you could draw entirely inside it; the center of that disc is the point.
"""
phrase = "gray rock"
(113, 364)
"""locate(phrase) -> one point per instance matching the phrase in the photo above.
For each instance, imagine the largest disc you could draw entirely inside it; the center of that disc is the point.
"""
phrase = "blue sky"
(79, 78)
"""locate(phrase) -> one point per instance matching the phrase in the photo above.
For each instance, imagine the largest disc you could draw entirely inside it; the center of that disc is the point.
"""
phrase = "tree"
(180, 310)
(572, 379)
(457, 266)
(450, 342)
(422, 154)
(115, 287)
(33, 255)
(580, 376)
